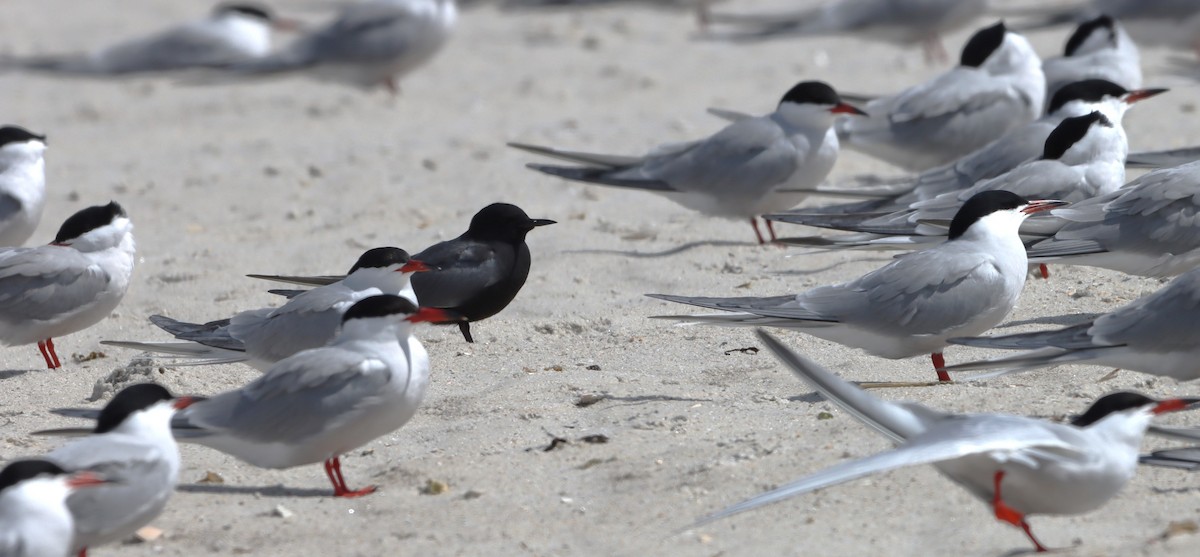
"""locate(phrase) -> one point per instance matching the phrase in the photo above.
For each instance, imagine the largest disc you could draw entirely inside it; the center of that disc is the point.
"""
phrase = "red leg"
(83, 552)
(53, 354)
(939, 365)
(754, 223)
(1010, 515)
(47, 351)
(333, 467)
(771, 229)
(1042, 268)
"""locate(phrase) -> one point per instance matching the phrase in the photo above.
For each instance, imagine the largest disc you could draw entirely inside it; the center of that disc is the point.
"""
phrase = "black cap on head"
(1089, 90)
(379, 306)
(981, 205)
(18, 471)
(982, 44)
(17, 134)
(88, 220)
(1086, 29)
(812, 92)
(1069, 132)
(378, 258)
(251, 10)
(131, 399)
(503, 222)
(1109, 404)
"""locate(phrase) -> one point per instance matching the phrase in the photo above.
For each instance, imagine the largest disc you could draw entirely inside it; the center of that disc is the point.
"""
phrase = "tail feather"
(302, 281)
(601, 176)
(592, 159)
(1035, 359)
(1054, 247)
(202, 354)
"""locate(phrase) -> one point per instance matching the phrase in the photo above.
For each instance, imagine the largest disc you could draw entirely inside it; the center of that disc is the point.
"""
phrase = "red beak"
(414, 266)
(1142, 94)
(1039, 205)
(183, 402)
(85, 479)
(844, 108)
(1174, 405)
(286, 24)
(433, 315)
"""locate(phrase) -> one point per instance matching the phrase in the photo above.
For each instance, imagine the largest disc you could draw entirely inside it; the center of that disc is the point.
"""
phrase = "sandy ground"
(291, 176)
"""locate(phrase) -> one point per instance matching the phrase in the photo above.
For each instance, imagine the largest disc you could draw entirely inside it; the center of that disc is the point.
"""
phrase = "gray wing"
(751, 151)
(309, 320)
(37, 284)
(1164, 158)
(365, 32)
(1041, 179)
(297, 398)
(949, 439)
(187, 46)
(1185, 459)
(465, 268)
(925, 292)
(932, 112)
(1164, 321)
(1155, 214)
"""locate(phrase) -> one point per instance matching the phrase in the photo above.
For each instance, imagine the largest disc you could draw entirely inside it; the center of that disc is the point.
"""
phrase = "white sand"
(295, 177)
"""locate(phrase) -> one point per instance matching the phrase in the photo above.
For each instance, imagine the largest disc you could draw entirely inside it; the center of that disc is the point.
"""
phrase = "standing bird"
(1171, 23)
(997, 86)
(475, 275)
(1155, 334)
(913, 304)
(22, 184)
(69, 285)
(753, 166)
(34, 519)
(896, 21)
(370, 44)
(131, 443)
(1098, 49)
(1017, 466)
(322, 403)
(232, 33)
(310, 319)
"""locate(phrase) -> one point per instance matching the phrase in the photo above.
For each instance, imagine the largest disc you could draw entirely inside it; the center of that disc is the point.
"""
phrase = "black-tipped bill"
(1142, 94)
(1041, 205)
(844, 108)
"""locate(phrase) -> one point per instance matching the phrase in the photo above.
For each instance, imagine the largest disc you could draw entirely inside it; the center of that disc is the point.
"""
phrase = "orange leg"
(771, 229)
(1044, 270)
(333, 469)
(1011, 515)
(939, 365)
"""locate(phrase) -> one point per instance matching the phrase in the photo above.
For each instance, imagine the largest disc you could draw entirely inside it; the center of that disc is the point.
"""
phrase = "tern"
(1017, 466)
(369, 44)
(753, 166)
(319, 404)
(1098, 49)
(132, 444)
(475, 275)
(22, 184)
(232, 33)
(998, 86)
(1155, 334)
(912, 305)
(895, 21)
(34, 519)
(310, 319)
(69, 285)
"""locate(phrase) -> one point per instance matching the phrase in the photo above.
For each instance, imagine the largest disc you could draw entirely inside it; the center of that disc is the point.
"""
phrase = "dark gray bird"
(475, 275)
